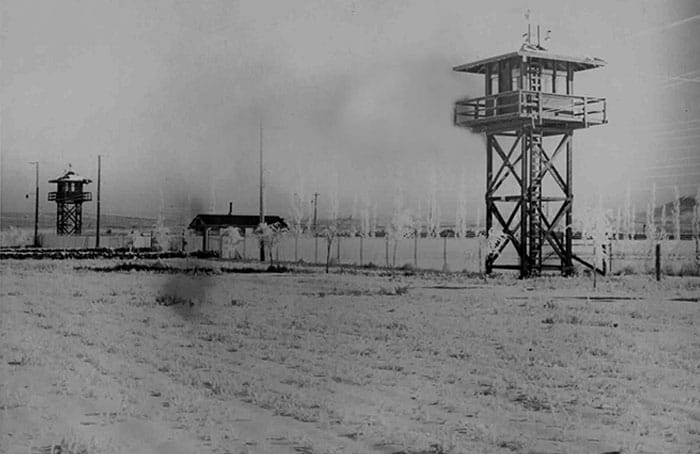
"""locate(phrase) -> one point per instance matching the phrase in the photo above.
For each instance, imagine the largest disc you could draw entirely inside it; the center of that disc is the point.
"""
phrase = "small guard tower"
(529, 114)
(69, 198)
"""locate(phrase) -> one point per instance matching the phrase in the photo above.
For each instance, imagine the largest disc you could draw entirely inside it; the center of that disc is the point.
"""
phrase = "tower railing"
(70, 197)
(542, 108)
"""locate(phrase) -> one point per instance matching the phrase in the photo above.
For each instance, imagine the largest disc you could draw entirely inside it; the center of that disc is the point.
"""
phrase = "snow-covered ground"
(355, 361)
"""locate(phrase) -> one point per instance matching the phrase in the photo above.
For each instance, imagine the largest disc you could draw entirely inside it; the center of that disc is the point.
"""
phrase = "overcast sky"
(356, 94)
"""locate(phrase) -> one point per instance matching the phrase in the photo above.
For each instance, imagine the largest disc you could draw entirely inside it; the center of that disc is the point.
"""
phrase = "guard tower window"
(547, 80)
(494, 83)
(560, 79)
(515, 78)
(504, 82)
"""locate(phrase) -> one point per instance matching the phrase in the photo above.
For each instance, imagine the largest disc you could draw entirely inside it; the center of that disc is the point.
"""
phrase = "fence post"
(697, 247)
(361, 245)
(595, 265)
(479, 249)
(658, 261)
(315, 248)
(386, 249)
(415, 249)
(444, 253)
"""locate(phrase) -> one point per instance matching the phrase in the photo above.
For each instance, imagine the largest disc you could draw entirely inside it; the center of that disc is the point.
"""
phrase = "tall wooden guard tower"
(529, 114)
(69, 198)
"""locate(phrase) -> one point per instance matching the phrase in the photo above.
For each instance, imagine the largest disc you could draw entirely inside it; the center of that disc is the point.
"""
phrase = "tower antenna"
(262, 196)
(528, 35)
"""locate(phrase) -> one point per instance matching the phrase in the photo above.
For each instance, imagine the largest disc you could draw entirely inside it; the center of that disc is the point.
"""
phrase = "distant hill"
(48, 221)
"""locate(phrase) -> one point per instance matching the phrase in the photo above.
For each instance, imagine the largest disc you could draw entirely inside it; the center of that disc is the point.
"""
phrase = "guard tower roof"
(577, 63)
(202, 221)
(71, 177)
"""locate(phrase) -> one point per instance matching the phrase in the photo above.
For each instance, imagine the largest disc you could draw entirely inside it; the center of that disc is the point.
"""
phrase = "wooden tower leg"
(568, 248)
(524, 205)
(78, 218)
(489, 198)
(59, 214)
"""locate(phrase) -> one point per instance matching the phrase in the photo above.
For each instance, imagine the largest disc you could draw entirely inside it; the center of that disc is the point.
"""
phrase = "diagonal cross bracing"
(550, 167)
(548, 163)
(528, 162)
(506, 158)
(506, 166)
(507, 229)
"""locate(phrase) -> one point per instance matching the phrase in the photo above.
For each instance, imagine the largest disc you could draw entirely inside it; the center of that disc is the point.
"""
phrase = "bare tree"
(596, 226)
(330, 232)
(270, 235)
(298, 214)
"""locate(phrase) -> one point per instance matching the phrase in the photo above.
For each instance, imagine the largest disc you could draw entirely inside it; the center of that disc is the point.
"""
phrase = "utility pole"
(316, 194)
(97, 222)
(262, 198)
(314, 229)
(36, 205)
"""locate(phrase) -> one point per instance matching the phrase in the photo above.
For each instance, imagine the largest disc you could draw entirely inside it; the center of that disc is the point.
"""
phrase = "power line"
(681, 137)
(657, 148)
(681, 158)
(678, 81)
(681, 185)
(673, 84)
(672, 80)
(664, 135)
(661, 123)
(689, 132)
(679, 175)
(677, 131)
(657, 126)
(670, 148)
(638, 139)
(687, 73)
(668, 25)
(676, 166)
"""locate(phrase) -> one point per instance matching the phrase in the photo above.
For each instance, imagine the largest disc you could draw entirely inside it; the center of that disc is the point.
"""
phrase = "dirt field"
(142, 362)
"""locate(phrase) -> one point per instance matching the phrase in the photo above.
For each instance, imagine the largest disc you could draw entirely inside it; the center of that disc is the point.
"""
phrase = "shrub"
(407, 267)
(401, 289)
(669, 270)
(626, 271)
(689, 269)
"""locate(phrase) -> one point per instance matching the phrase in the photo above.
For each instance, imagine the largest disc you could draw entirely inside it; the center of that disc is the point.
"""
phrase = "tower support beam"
(540, 241)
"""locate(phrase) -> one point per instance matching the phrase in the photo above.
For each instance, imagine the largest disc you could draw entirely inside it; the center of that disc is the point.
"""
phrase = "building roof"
(71, 177)
(202, 221)
(530, 51)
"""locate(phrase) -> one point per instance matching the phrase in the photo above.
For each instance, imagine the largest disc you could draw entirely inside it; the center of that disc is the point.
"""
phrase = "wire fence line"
(627, 256)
